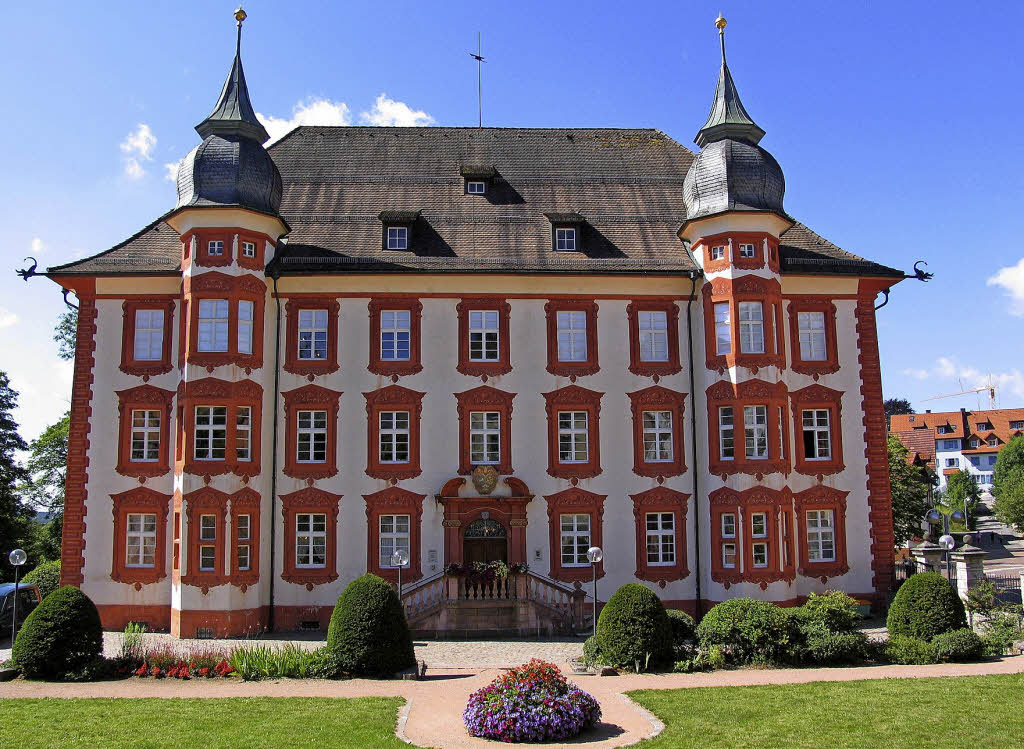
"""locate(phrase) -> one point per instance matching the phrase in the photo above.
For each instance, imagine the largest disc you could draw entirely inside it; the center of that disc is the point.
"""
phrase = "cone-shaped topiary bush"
(368, 635)
(46, 577)
(61, 636)
(925, 606)
(634, 629)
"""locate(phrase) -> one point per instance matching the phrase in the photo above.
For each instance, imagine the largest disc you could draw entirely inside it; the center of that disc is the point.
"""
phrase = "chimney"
(927, 410)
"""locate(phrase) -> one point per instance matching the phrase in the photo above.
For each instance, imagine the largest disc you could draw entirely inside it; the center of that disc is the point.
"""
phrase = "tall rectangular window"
(657, 426)
(817, 434)
(245, 313)
(211, 432)
(760, 554)
(755, 426)
(312, 334)
(751, 327)
(140, 543)
(149, 335)
(811, 327)
(394, 536)
(726, 433)
(145, 436)
(311, 440)
(394, 335)
(821, 536)
(723, 329)
(213, 325)
(728, 520)
(484, 437)
(573, 436)
(575, 540)
(243, 537)
(398, 238)
(243, 433)
(483, 335)
(394, 437)
(311, 540)
(718, 252)
(565, 239)
(207, 536)
(653, 335)
(572, 336)
(759, 525)
(661, 538)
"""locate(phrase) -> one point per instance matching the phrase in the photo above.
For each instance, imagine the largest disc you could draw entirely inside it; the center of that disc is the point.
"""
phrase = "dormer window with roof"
(983, 426)
(398, 238)
(566, 231)
(974, 443)
(397, 229)
(565, 238)
(944, 429)
(1017, 425)
(993, 441)
(477, 177)
(476, 187)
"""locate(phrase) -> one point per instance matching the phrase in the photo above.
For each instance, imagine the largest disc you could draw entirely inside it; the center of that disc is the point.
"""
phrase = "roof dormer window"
(477, 177)
(565, 238)
(566, 231)
(476, 187)
(398, 238)
(398, 229)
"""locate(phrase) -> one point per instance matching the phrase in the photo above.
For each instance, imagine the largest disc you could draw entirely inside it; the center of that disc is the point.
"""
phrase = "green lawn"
(239, 722)
(977, 711)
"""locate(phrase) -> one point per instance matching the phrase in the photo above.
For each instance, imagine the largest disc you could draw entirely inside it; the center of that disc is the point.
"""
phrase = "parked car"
(28, 599)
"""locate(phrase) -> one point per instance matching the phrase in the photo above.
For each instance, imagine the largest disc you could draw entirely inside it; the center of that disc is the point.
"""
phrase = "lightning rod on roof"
(479, 57)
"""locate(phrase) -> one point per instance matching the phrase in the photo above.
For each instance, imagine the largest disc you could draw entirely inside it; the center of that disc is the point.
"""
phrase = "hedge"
(749, 631)
(925, 606)
(60, 637)
(368, 634)
(959, 646)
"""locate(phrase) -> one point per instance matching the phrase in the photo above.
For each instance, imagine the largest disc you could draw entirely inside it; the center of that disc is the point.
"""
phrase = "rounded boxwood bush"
(834, 610)
(684, 633)
(925, 606)
(748, 631)
(634, 629)
(369, 635)
(910, 651)
(959, 646)
(46, 577)
(61, 636)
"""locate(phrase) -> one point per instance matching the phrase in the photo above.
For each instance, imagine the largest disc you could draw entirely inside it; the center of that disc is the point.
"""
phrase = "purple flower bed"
(530, 703)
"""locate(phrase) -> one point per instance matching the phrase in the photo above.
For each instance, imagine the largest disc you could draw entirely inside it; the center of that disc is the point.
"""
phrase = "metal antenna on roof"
(720, 24)
(479, 88)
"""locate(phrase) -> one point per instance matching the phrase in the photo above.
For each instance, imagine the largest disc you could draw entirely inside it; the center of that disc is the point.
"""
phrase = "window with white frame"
(140, 541)
(393, 437)
(483, 335)
(821, 536)
(759, 551)
(145, 436)
(993, 441)
(811, 328)
(573, 437)
(759, 525)
(211, 432)
(728, 533)
(394, 335)
(565, 238)
(484, 437)
(215, 248)
(729, 556)
(312, 334)
(243, 535)
(728, 525)
(943, 429)
(398, 238)
(755, 426)
(575, 540)
(1017, 425)
(394, 536)
(207, 537)
(248, 249)
(245, 318)
(213, 325)
(572, 335)
(723, 329)
(974, 443)
(747, 250)
(311, 439)
(726, 433)
(149, 335)
(983, 426)
(243, 433)
(718, 252)
(817, 434)
(653, 328)
(751, 327)
(311, 540)
(950, 444)
(657, 429)
(476, 187)
(661, 538)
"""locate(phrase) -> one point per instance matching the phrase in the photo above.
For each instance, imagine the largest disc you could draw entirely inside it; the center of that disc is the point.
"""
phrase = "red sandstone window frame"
(146, 501)
(395, 369)
(658, 398)
(485, 369)
(393, 398)
(747, 288)
(146, 369)
(200, 254)
(731, 258)
(654, 369)
(749, 393)
(310, 398)
(260, 240)
(827, 307)
(148, 398)
(574, 398)
(311, 367)
(394, 501)
(574, 501)
(485, 398)
(213, 392)
(822, 498)
(661, 499)
(245, 502)
(822, 398)
(775, 504)
(569, 369)
(235, 289)
(319, 502)
(206, 501)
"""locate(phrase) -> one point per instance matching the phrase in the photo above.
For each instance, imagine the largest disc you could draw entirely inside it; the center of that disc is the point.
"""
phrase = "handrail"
(412, 588)
(562, 586)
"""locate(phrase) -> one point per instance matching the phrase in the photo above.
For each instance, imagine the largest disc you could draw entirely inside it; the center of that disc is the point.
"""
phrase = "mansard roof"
(337, 181)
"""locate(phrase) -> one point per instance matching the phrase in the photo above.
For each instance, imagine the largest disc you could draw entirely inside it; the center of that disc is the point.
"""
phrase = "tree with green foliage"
(66, 333)
(910, 487)
(15, 516)
(368, 634)
(43, 487)
(961, 494)
(1008, 484)
(895, 406)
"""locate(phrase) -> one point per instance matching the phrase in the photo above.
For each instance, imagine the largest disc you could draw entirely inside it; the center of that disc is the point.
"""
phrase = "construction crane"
(991, 395)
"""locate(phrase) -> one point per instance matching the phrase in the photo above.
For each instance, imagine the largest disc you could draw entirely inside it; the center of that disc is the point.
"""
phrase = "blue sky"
(897, 126)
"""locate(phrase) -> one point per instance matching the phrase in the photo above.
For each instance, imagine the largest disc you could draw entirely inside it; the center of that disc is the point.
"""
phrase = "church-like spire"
(233, 113)
(728, 118)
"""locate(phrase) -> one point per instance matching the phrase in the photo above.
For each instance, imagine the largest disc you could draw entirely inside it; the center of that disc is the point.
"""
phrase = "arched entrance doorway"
(485, 540)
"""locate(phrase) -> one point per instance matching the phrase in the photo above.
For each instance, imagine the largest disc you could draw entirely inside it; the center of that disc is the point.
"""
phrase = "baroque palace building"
(472, 344)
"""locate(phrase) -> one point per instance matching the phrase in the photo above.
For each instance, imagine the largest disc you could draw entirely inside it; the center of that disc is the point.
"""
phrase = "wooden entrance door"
(484, 540)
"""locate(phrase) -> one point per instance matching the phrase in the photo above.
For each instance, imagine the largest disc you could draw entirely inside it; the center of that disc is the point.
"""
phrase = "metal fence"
(1007, 585)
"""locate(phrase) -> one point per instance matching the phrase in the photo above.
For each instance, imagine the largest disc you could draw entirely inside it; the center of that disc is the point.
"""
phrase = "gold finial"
(720, 23)
(240, 15)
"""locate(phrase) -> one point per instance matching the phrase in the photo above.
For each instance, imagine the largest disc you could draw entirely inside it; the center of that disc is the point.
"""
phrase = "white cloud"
(1011, 278)
(1009, 385)
(309, 112)
(38, 246)
(917, 374)
(7, 318)
(395, 113)
(137, 147)
(172, 171)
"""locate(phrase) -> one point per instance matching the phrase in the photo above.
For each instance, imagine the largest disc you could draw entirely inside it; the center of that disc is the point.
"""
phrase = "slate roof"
(625, 183)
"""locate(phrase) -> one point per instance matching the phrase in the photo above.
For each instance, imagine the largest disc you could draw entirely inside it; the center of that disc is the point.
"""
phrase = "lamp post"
(16, 558)
(595, 555)
(399, 559)
(946, 541)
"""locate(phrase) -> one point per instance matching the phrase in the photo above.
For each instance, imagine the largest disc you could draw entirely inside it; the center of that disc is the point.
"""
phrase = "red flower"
(155, 671)
(142, 670)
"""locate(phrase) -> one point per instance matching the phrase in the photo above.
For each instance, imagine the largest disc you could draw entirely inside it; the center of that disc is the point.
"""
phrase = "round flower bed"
(530, 703)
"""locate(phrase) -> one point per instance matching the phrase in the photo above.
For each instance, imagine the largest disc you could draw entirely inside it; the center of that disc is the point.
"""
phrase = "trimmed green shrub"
(834, 610)
(46, 577)
(591, 651)
(684, 628)
(633, 630)
(1004, 627)
(60, 637)
(825, 648)
(369, 635)
(959, 646)
(925, 606)
(910, 651)
(749, 631)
